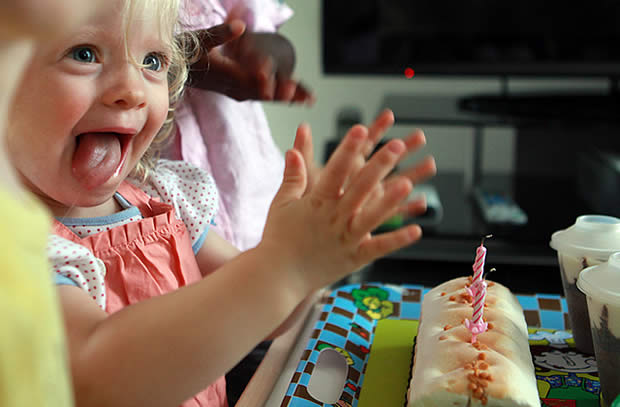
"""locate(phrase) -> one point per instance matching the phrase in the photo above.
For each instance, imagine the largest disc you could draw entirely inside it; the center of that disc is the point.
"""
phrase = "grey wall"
(452, 147)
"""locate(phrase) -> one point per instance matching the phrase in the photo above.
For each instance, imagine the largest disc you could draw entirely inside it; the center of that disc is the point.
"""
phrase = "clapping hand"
(383, 122)
(321, 219)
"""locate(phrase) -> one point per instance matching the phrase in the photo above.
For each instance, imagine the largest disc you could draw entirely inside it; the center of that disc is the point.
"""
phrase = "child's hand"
(322, 231)
(248, 66)
(383, 122)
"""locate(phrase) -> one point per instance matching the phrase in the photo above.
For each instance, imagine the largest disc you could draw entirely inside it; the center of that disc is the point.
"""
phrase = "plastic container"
(601, 286)
(588, 242)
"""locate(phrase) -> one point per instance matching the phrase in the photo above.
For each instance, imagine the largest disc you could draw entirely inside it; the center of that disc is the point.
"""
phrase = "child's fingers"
(384, 243)
(377, 129)
(421, 171)
(380, 164)
(294, 179)
(379, 210)
(303, 144)
(341, 163)
(415, 140)
(414, 208)
(375, 132)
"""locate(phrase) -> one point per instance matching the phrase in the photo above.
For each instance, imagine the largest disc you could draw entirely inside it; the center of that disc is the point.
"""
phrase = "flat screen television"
(475, 37)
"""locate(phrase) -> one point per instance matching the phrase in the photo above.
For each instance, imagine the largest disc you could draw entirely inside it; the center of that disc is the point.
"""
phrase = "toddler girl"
(131, 246)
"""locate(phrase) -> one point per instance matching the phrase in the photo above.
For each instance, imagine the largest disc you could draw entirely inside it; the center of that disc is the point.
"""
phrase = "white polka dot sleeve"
(75, 262)
(190, 190)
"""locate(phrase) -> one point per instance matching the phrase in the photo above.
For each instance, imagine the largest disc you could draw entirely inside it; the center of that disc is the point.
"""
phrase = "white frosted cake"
(450, 370)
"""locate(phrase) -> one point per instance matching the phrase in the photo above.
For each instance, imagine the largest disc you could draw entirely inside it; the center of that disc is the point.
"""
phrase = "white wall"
(452, 147)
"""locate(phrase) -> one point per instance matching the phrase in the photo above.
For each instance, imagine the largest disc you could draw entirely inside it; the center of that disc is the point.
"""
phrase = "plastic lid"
(595, 236)
(602, 281)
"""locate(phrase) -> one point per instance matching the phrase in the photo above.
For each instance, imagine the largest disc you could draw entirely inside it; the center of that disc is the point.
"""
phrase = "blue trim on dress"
(130, 211)
(198, 243)
(59, 279)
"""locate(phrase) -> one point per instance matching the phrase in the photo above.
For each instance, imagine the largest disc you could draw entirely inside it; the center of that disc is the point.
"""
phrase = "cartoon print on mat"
(342, 403)
(359, 330)
(550, 337)
(565, 375)
(343, 352)
(374, 301)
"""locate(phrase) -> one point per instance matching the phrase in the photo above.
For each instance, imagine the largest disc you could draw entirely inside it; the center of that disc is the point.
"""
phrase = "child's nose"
(125, 88)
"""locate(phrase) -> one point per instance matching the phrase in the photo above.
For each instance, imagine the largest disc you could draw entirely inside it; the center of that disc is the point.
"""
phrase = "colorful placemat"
(348, 324)
(389, 363)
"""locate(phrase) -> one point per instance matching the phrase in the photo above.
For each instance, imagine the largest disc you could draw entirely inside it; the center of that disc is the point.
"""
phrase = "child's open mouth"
(99, 156)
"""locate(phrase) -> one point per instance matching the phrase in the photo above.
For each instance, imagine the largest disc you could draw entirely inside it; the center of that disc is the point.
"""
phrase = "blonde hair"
(183, 50)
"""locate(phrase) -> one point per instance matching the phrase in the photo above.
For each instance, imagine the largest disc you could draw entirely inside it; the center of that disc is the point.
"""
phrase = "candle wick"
(487, 273)
(485, 237)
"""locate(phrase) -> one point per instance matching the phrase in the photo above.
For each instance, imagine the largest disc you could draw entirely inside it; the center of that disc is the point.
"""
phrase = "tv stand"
(546, 106)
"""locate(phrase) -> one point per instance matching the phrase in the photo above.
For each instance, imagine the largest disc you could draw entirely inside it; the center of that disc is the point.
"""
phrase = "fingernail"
(395, 147)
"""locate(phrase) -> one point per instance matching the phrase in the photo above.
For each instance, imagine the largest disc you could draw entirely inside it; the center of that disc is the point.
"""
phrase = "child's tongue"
(96, 158)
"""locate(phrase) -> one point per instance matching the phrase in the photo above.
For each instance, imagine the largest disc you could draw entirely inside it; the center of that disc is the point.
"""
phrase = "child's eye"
(83, 54)
(154, 61)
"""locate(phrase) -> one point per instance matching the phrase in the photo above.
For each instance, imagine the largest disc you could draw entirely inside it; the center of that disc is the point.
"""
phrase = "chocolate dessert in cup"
(601, 286)
(589, 242)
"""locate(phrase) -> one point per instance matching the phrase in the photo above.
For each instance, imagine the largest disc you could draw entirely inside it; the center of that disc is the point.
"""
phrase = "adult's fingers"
(285, 90)
(221, 34)
(303, 94)
(266, 78)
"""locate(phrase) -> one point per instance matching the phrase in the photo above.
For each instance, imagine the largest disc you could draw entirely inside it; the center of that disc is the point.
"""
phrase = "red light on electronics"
(409, 73)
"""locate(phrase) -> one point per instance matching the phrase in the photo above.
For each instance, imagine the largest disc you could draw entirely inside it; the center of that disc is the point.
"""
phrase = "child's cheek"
(159, 111)
(67, 101)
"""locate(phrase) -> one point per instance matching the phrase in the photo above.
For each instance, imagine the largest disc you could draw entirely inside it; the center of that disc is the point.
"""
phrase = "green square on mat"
(389, 364)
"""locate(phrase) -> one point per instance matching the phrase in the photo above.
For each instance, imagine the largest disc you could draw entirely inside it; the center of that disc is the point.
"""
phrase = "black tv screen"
(475, 37)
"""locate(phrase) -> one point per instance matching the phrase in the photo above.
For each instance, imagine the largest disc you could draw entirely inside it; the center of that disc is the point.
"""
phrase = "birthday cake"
(468, 355)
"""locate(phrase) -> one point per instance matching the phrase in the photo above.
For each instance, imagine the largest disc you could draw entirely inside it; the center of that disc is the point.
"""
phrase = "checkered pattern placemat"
(348, 319)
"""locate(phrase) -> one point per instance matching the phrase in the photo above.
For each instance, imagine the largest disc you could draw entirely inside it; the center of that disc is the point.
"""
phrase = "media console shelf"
(543, 183)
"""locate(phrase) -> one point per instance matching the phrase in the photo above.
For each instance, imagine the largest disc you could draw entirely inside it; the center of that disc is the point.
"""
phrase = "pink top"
(230, 139)
(161, 238)
(189, 190)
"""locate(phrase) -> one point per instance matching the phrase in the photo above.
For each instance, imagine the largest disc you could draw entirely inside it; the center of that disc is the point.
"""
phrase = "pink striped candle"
(478, 267)
(477, 324)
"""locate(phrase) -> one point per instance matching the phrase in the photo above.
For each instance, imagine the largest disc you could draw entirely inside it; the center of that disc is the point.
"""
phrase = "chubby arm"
(217, 251)
(214, 252)
(162, 351)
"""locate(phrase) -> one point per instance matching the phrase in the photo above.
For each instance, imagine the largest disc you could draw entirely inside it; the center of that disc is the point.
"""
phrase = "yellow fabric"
(33, 368)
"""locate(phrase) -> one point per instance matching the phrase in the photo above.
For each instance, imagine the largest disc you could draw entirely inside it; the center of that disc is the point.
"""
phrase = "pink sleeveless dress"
(146, 258)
